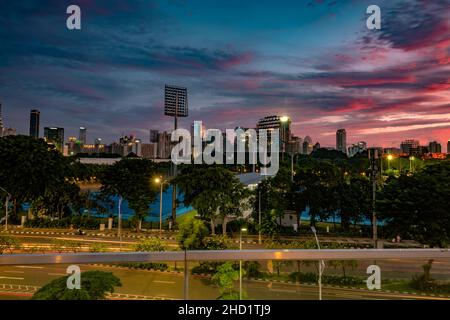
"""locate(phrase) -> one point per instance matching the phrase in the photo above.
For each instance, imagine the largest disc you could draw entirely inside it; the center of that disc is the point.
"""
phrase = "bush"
(78, 222)
(149, 245)
(8, 244)
(145, 266)
(310, 277)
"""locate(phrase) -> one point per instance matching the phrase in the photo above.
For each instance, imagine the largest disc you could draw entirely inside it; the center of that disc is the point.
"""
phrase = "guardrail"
(223, 255)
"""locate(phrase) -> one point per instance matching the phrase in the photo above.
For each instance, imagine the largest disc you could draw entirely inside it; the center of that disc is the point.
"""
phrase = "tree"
(95, 285)
(213, 191)
(225, 277)
(314, 185)
(32, 169)
(343, 264)
(8, 244)
(417, 206)
(191, 234)
(132, 180)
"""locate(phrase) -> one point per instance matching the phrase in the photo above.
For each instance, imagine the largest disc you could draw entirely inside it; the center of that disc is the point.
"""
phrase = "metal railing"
(223, 255)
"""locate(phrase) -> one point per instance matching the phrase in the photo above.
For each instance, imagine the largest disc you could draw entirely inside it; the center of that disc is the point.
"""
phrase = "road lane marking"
(7, 271)
(29, 267)
(166, 282)
(11, 278)
(57, 274)
(283, 290)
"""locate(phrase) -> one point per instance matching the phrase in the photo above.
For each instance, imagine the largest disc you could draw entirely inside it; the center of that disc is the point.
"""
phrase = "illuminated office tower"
(54, 136)
(82, 136)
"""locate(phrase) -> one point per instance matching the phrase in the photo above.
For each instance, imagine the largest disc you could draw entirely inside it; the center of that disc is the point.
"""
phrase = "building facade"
(341, 140)
(35, 116)
(83, 135)
(55, 136)
(434, 147)
(408, 146)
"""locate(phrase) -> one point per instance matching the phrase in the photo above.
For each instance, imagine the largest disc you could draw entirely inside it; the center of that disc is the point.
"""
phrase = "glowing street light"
(161, 182)
(411, 159)
(389, 157)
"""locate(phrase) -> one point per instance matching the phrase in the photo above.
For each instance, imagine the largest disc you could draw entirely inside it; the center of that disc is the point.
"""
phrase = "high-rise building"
(341, 140)
(154, 136)
(434, 147)
(34, 123)
(282, 123)
(55, 136)
(448, 146)
(316, 146)
(305, 147)
(407, 146)
(149, 150)
(9, 132)
(356, 148)
(164, 145)
(83, 135)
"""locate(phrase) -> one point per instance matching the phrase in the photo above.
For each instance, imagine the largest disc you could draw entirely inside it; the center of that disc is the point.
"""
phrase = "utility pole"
(120, 222)
(373, 158)
(7, 199)
(259, 215)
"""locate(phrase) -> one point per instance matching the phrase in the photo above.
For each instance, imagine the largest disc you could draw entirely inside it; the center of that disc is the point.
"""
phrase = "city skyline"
(315, 62)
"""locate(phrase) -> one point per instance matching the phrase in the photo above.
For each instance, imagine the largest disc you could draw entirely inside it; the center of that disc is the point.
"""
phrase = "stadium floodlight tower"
(175, 105)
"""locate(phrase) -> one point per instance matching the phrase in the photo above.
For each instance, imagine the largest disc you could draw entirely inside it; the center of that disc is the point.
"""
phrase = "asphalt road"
(142, 284)
(392, 268)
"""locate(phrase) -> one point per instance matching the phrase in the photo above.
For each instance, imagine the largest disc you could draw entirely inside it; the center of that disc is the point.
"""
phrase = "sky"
(313, 60)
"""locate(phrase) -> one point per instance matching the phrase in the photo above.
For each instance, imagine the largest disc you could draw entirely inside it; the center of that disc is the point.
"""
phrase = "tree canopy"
(95, 285)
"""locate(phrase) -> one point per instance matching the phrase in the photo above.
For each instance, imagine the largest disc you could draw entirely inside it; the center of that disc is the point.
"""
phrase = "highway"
(19, 282)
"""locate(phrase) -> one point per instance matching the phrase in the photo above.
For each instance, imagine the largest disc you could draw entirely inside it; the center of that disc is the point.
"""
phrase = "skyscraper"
(54, 136)
(34, 123)
(448, 146)
(407, 146)
(154, 136)
(341, 140)
(82, 136)
(282, 123)
(434, 147)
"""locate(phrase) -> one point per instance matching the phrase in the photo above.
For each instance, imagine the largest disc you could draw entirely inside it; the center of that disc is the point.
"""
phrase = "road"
(392, 268)
(141, 284)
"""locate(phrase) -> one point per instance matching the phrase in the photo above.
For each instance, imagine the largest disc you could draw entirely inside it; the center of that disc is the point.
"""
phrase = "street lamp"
(161, 182)
(389, 157)
(8, 197)
(321, 264)
(411, 159)
(259, 215)
(240, 263)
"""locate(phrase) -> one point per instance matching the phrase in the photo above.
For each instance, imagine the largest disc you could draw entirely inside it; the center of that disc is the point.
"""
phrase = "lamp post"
(259, 217)
(161, 182)
(411, 159)
(8, 197)
(321, 263)
(240, 263)
(389, 157)
(120, 221)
